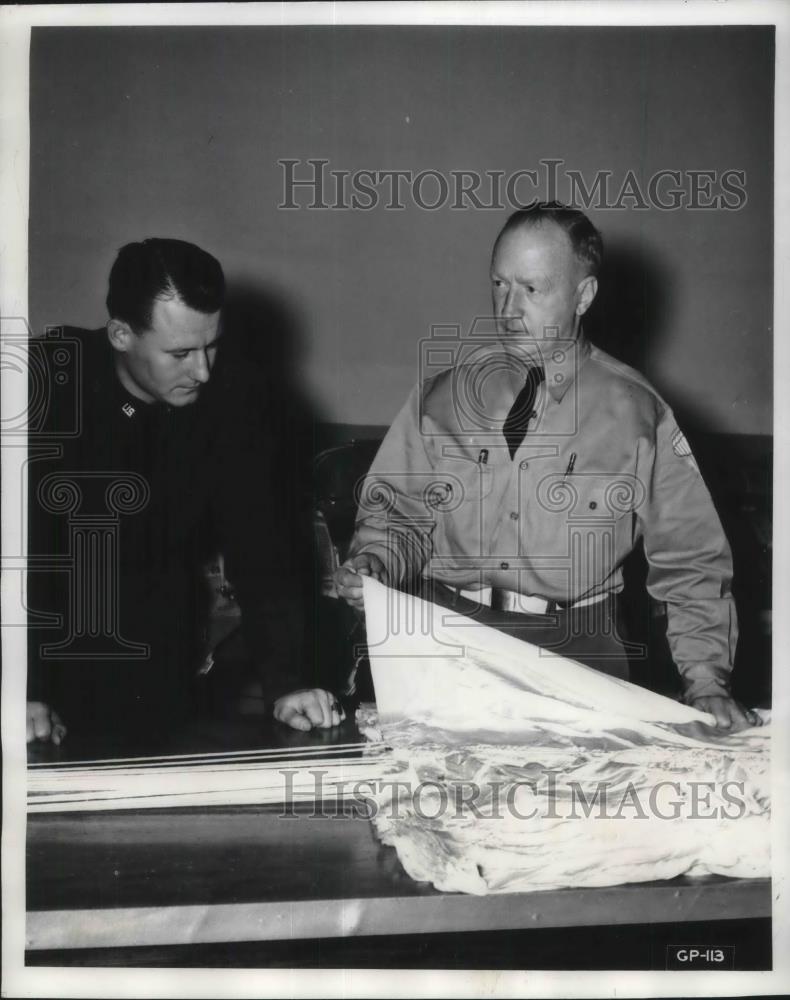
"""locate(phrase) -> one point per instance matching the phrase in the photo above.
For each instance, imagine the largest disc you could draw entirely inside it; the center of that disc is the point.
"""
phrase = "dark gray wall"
(160, 131)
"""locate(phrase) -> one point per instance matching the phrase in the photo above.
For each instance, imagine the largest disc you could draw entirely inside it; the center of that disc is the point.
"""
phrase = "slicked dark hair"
(585, 239)
(162, 269)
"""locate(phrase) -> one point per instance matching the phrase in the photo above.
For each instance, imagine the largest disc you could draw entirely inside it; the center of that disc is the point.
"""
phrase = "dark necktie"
(522, 410)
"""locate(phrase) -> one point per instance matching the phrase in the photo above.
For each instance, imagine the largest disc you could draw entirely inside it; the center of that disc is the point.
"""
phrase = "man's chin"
(183, 397)
(520, 346)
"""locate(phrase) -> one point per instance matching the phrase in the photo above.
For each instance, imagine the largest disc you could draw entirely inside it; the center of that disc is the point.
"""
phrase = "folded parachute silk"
(518, 769)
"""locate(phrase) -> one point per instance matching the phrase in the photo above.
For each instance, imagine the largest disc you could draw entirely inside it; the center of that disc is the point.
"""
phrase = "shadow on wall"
(279, 430)
(257, 378)
(264, 330)
(629, 316)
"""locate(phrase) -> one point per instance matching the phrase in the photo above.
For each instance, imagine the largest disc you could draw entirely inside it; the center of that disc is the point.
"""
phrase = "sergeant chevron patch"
(680, 445)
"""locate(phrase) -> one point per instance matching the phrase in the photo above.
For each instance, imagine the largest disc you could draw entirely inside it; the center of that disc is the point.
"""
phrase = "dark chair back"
(338, 476)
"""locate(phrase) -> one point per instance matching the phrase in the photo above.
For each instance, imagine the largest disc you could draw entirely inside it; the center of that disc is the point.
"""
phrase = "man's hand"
(729, 714)
(312, 707)
(348, 579)
(43, 723)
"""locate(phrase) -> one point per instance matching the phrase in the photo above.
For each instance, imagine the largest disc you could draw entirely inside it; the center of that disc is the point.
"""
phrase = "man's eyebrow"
(187, 348)
(532, 278)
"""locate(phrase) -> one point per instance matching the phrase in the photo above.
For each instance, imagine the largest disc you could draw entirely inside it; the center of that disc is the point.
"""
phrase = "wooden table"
(198, 876)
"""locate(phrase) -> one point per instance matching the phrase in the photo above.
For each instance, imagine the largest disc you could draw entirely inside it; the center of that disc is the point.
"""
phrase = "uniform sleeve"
(392, 520)
(48, 541)
(689, 562)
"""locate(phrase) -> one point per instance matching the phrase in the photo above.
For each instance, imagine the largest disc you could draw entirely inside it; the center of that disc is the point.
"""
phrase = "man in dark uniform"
(162, 467)
(514, 484)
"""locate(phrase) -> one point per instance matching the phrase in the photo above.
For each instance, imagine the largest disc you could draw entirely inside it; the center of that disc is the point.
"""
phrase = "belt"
(511, 600)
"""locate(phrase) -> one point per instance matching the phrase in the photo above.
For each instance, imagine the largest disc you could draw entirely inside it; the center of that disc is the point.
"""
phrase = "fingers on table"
(306, 710)
(39, 725)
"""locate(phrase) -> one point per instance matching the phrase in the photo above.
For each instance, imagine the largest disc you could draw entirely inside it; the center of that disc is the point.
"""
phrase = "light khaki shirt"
(602, 465)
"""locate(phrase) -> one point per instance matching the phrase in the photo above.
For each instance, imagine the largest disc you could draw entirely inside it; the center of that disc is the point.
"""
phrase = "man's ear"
(586, 291)
(119, 334)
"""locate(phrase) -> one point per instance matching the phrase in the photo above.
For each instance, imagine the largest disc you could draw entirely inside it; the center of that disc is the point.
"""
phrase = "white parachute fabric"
(515, 769)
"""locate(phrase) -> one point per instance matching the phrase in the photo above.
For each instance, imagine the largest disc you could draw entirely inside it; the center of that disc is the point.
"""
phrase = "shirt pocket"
(462, 481)
(590, 517)
(461, 516)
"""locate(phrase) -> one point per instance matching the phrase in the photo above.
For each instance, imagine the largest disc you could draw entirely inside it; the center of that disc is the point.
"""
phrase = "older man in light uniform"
(517, 481)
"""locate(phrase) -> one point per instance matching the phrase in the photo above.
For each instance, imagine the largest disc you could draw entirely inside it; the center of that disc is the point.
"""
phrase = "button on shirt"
(602, 465)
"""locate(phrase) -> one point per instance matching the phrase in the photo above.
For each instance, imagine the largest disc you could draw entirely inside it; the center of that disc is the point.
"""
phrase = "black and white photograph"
(390, 499)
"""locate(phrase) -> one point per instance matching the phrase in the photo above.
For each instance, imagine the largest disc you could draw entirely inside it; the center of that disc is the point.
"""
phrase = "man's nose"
(510, 306)
(201, 370)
